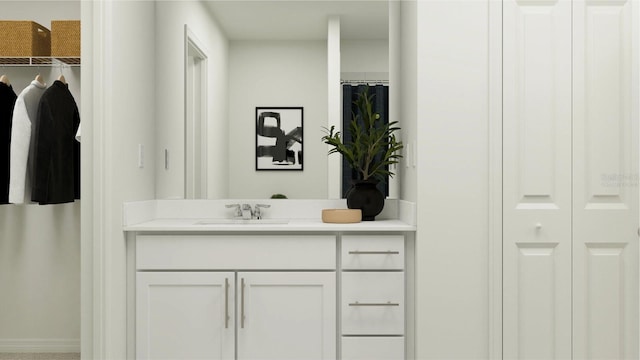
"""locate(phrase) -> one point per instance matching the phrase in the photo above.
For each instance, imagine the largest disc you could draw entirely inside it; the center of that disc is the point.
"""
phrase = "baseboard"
(40, 345)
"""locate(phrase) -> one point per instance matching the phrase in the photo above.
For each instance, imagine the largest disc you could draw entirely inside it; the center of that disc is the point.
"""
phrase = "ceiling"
(300, 19)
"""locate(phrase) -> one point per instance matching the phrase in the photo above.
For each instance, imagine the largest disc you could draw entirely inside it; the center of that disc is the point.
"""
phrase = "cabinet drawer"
(364, 252)
(372, 348)
(231, 252)
(373, 303)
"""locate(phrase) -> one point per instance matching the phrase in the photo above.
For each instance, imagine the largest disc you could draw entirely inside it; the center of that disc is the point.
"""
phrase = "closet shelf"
(39, 61)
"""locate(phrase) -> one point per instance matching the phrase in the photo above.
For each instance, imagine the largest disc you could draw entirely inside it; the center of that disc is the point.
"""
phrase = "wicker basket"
(24, 38)
(65, 38)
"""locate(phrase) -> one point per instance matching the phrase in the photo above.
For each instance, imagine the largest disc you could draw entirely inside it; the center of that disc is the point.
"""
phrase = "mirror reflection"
(237, 56)
(195, 118)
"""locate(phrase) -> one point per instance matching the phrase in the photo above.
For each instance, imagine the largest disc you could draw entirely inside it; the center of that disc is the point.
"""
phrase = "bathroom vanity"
(290, 287)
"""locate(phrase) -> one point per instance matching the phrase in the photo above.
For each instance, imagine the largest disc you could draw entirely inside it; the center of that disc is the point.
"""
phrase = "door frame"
(195, 116)
(495, 180)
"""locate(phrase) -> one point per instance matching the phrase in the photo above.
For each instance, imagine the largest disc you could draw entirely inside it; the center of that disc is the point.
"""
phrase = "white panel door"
(185, 315)
(286, 315)
(537, 179)
(605, 177)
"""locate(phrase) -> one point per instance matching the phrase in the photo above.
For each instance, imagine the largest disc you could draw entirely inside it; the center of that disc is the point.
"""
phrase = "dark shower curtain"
(381, 106)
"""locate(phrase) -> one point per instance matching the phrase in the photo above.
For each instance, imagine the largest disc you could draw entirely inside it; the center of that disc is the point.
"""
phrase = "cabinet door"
(184, 315)
(286, 315)
(537, 179)
(605, 240)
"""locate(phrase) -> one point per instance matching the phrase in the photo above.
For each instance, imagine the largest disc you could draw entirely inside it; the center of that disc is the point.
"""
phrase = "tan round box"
(341, 216)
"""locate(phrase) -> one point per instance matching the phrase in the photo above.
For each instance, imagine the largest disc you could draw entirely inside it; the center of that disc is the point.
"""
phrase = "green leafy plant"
(374, 145)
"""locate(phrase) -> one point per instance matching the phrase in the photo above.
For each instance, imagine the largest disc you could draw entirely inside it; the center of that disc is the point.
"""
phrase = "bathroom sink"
(241, 221)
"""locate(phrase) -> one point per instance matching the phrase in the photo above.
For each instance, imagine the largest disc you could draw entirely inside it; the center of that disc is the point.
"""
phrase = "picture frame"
(279, 138)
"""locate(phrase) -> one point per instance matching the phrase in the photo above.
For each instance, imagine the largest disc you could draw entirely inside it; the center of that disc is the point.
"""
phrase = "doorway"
(195, 141)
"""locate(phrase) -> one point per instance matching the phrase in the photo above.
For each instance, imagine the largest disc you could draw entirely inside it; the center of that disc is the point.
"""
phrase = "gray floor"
(39, 356)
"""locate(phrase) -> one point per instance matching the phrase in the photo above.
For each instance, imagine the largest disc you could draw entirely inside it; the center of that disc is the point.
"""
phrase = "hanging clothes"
(21, 162)
(56, 171)
(7, 102)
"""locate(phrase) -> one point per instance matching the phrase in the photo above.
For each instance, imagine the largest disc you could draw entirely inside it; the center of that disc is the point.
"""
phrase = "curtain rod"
(364, 82)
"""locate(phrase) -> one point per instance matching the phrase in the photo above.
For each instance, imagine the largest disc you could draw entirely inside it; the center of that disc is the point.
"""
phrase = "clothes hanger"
(61, 77)
(5, 79)
(39, 79)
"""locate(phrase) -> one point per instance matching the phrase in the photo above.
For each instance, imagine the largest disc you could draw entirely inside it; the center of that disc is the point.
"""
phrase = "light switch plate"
(140, 156)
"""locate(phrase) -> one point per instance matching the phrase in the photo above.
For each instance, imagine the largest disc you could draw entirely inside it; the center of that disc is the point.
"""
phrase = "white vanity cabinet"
(373, 297)
(185, 315)
(235, 297)
(286, 315)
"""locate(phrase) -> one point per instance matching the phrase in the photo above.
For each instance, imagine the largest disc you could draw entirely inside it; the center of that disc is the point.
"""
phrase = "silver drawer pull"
(388, 252)
(226, 303)
(242, 303)
(388, 303)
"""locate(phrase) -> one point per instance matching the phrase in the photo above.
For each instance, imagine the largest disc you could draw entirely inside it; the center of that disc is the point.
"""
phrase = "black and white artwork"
(279, 138)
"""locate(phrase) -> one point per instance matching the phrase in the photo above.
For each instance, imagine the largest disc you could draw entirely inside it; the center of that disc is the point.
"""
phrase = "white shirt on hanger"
(24, 111)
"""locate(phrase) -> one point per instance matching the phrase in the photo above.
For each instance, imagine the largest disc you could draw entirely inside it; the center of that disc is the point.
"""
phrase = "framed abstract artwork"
(279, 138)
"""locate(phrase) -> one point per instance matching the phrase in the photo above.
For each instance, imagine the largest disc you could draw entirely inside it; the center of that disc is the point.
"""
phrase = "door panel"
(286, 315)
(181, 315)
(537, 297)
(605, 191)
(537, 179)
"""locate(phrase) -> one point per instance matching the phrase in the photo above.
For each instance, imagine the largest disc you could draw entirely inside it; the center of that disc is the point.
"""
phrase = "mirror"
(237, 56)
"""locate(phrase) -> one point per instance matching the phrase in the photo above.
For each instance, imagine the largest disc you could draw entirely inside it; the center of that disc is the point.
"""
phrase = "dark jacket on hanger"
(7, 102)
(56, 177)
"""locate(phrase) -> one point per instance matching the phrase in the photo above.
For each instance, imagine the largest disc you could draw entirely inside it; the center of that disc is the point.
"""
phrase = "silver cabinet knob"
(538, 226)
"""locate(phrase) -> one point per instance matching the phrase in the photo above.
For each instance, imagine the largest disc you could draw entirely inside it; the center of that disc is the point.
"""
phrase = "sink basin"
(241, 221)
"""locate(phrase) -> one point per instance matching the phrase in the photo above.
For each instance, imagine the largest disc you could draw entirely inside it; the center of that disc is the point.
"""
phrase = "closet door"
(537, 179)
(605, 180)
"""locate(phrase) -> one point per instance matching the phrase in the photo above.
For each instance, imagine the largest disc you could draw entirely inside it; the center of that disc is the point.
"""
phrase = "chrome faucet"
(247, 212)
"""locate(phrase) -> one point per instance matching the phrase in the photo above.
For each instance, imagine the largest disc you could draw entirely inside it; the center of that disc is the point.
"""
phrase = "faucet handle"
(238, 210)
(258, 212)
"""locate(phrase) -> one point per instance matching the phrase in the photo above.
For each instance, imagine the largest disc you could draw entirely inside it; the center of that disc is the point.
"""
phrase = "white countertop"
(302, 216)
(293, 225)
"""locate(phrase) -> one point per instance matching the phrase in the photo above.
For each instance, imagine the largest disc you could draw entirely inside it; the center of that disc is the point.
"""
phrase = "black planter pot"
(365, 195)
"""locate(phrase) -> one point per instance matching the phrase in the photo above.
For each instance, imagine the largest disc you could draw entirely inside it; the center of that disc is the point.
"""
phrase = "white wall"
(171, 16)
(452, 244)
(364, 59)
(40, 245)
(277, 73)
(406, 70)
(124, 91)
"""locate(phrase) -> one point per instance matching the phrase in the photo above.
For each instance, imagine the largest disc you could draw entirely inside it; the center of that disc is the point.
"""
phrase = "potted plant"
(371, 150)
